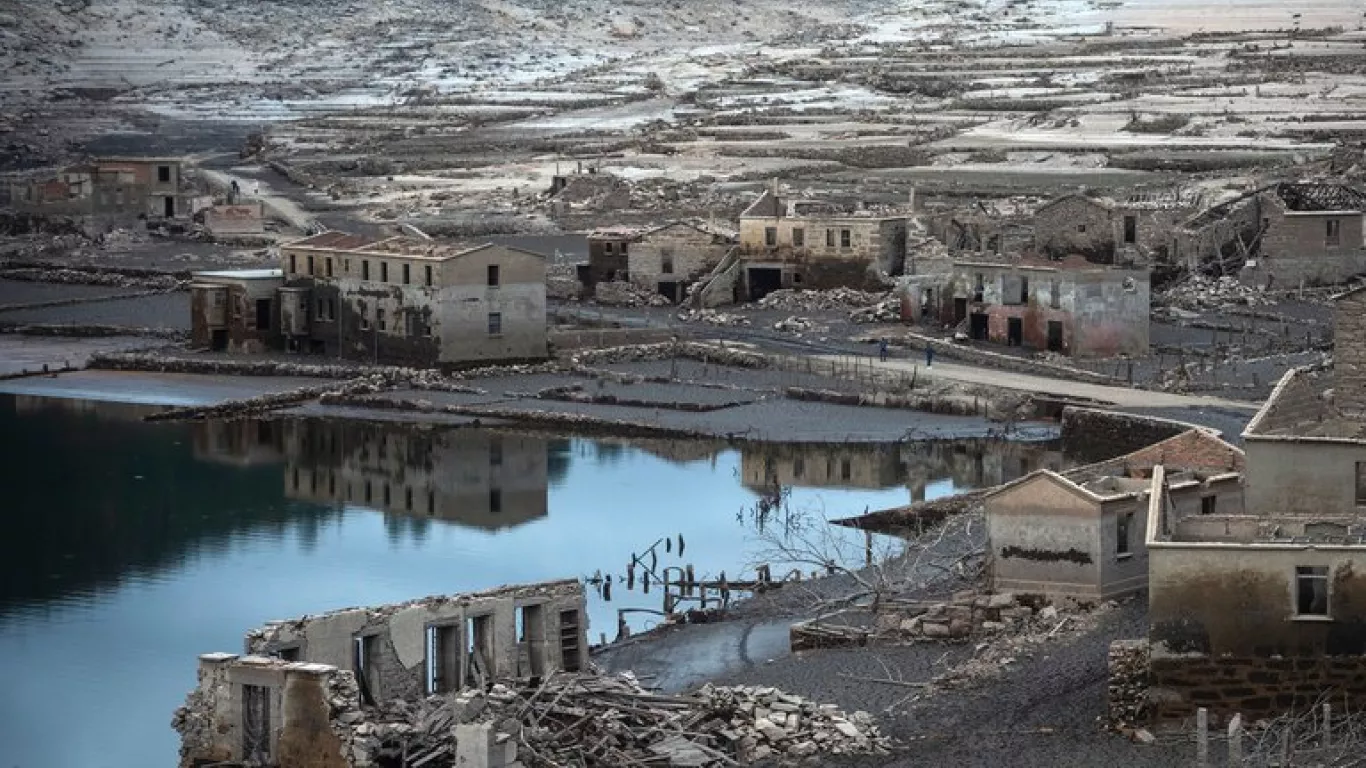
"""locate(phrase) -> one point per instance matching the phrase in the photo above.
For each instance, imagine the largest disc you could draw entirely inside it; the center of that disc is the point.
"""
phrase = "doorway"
(669, 290)
(1054, 336)
(977, 326)
(168, 204)
(263, 314)
(256, 724)
(960, 310)
(927, 303)
(763, 281)
(218, 340)
(1014, 332)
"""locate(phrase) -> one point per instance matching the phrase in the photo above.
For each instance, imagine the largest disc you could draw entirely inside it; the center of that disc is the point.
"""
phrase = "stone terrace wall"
(1253, 686)
(1097, 435)
(1349, 352)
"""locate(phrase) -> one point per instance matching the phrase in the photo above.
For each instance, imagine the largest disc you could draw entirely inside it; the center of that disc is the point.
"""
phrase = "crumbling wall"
(394, 639)
(1253, 686)
(1126, 700)
(286, 705)
(1296, 248)
(690, 253)
(1075, 225)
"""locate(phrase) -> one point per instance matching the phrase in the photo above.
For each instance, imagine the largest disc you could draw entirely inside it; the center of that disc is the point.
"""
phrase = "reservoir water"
(132, 547)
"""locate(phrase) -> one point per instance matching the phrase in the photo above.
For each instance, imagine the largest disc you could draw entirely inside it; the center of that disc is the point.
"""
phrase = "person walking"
(882, 350)
(929, 355)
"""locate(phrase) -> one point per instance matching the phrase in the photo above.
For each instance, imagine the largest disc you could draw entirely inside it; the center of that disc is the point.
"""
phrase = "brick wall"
(1252, 686)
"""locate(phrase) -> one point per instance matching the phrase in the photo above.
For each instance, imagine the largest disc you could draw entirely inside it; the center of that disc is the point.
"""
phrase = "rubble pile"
(833, 298)
(798, 325)
(1127, 695)
(620, 293)
(885, 311)
(590, 720)
(712, 317)
(1198, 292)
(969, 613)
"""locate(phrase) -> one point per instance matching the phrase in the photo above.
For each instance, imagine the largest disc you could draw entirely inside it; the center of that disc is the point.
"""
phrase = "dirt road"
(1120, 396)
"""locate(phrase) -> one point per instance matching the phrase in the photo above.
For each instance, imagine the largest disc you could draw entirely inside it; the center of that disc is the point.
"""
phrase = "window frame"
(1308, 573)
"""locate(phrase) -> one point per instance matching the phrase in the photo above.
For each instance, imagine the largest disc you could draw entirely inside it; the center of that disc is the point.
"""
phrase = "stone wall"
(1126, 700)
(1097, 435)
(1295, 249)
(690, 252)
(1075, 225)
(398, 638)
(1253, 686)
(1349, 352)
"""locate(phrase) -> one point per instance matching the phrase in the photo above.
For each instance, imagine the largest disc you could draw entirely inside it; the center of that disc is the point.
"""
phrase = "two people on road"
(929, 353)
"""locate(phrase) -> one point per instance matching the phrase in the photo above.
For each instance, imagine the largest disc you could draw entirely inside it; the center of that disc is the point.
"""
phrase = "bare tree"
(879, 568)
(1315, 737)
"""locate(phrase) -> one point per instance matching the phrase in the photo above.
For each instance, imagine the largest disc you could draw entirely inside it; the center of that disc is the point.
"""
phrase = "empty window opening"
(329, 266)
(256, 724)
(384, 271)
(530, 641)
(1361, 483)
(1122, 525)
(405, 274)
(979, 287)
(263, 314)
(368, 495)
(365, 269)
(431, 503)
(846, 470)
(798, 467)
(1311, 590)
(1054, 294)
(163, 173)
(829, 238)
(310, 266)
(798, 237)
(1081, 229)
(386, 494)
(495, 451)
(379, 319)
(479, 649)
(770, 236)
(1333, 233)
(666, 264)
(846, 238)
(408, 499)
(495, 501)
(288, 654)
(1024, 290)
(493, 276)
(624, 248)
(608, 248)
(428, 275)
(571, 659)
(1207, 504)
(1130, 229)
(443, 658)
(293, 264)
(495, 324)
(365, 663)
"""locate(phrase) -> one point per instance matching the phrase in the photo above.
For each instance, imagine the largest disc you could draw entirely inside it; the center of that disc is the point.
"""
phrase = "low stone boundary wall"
(67, 330)
(1007, 362)
(956, 406)
(599, 338)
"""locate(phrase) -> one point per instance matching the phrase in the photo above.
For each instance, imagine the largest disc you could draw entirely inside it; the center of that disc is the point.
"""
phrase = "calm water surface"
(132, 547)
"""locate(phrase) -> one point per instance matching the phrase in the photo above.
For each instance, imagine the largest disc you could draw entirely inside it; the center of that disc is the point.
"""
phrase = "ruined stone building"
(286, 701)
(145, 187)
(1135, 230)
(666, 259)
(1280, 236)
(236, 310)
(1261, 608)
(242, 218)
(787, 243)
(411, 301)
(993, 226)
(762, 466)
(1072, 306)
(1080, 533)
(483, 479)
(238, 443)
(607, 256)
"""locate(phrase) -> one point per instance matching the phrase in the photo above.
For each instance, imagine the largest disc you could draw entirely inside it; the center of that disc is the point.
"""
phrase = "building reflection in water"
(964, 464)
(100, 409)
(475, 477)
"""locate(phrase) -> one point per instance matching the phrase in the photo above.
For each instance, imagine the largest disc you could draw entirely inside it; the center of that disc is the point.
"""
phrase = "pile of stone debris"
(712, 317)
(833, 298)
(592, 720)
(620, 293)
(885, 311)
(798, 325)
(1198, 293)
(92, 277)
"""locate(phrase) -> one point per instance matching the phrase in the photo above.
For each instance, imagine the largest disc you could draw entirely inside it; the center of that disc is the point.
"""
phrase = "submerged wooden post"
(1202, 736)
(1235, 741)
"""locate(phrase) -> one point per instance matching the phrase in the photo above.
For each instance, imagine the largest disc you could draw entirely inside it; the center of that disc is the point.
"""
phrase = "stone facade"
(1076, 225)
(807, 244)
(668, 259)
(236, 311)
(475, 639)
(1349, 352)
(608, 255)
(143, 187)
(1071, 307)
(1253, 686)
(415, 302)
